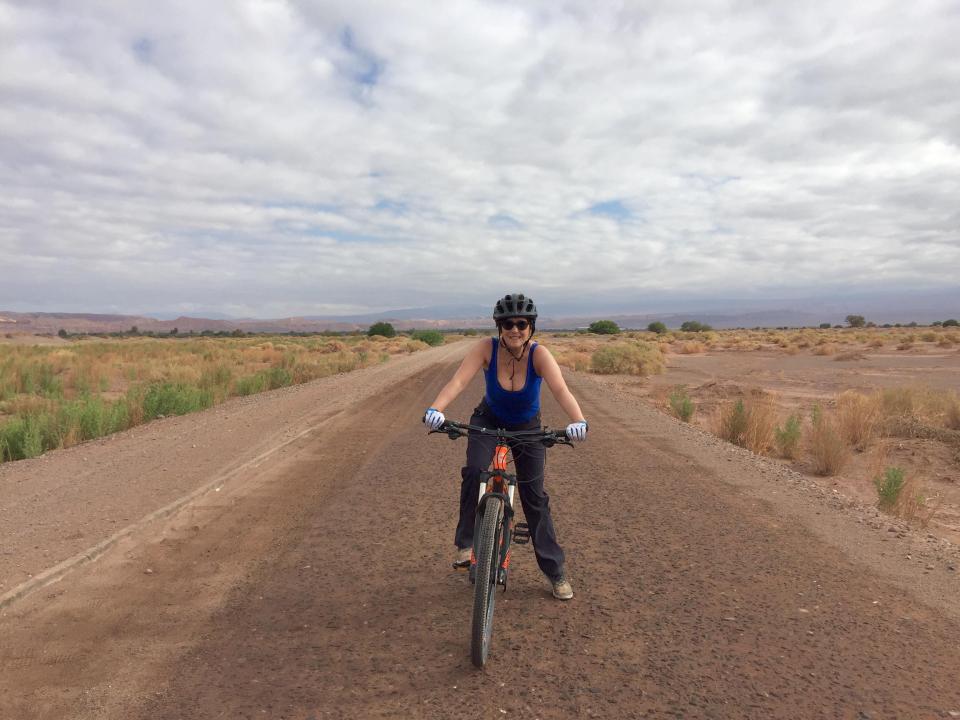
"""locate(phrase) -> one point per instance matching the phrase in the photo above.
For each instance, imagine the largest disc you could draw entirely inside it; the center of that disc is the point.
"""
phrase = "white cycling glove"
(577, 431)
(433, 418)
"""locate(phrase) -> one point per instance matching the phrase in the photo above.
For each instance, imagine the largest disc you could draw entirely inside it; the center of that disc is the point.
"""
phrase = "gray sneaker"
(562, 590)
(462, 558)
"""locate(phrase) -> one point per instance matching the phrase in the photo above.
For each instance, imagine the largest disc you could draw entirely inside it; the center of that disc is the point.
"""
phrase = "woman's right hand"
(433, 418)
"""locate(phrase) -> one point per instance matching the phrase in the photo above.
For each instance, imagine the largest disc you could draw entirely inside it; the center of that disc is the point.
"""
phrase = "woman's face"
(514, 337)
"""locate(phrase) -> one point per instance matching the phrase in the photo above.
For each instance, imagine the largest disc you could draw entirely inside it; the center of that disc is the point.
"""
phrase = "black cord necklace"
(515, 359)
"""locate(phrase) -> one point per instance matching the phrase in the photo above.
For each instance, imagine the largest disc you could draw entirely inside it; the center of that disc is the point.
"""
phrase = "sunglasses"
(520, 325)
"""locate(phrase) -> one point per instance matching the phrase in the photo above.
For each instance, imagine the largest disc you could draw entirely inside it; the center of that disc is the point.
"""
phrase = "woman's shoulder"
(484, 347)
(540, 355)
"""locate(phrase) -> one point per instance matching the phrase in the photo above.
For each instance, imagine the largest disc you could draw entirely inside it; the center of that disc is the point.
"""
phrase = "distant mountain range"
(475, 317)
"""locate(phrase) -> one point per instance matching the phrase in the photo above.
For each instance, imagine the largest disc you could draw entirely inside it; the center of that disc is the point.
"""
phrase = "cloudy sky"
(269, 158)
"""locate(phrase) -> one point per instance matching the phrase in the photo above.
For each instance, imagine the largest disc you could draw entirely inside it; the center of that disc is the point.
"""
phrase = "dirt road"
(317, 585)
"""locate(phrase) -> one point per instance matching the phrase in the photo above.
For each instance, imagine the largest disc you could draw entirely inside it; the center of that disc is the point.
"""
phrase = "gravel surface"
(316, 584)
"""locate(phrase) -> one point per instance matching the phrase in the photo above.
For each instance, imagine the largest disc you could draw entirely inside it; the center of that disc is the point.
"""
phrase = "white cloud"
(277, 157)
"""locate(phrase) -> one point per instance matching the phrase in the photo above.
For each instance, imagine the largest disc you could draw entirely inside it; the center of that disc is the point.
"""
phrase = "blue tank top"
(513, 407)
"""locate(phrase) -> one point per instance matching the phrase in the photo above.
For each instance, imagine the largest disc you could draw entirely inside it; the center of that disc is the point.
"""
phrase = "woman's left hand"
(577, 431)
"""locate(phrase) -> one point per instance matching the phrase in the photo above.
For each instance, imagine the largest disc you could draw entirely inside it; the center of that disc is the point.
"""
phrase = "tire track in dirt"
(693, 598)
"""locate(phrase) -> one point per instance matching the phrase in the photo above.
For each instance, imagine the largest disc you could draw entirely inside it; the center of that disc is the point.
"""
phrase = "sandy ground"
(797, 382)
(710, 583)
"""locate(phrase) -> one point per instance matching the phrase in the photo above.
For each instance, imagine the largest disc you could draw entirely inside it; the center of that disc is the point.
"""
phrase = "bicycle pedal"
(521, 533)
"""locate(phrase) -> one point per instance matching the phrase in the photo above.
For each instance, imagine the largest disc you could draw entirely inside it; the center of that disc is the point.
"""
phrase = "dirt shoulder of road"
(67, 501)
(914, 559)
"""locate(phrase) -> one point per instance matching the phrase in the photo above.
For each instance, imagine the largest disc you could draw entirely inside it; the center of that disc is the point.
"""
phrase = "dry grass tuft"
(689, 347)
(858, 418)
(632, 358)
(849, 355)
(828, 451)
(825, 349)
(749, 422)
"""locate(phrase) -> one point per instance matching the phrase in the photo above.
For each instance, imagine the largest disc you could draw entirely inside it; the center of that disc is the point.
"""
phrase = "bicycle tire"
(485, 587)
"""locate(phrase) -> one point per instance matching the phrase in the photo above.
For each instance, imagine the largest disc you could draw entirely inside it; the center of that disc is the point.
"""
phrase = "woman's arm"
(464, 374)
(547, 368)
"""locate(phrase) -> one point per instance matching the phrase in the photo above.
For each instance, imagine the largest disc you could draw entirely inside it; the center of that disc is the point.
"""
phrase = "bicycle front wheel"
(485, 589)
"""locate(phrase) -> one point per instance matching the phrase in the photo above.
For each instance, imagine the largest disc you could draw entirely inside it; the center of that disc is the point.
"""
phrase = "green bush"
(382, 328)
(470, 332)
(951, 323)
(22, 438)
(604, 327)
(694, 326)
(174, 399)
(856, 321)
(824, 326)
(657, 327)
(788, 437)
(889, 486)
(681, 404)
(430, 337)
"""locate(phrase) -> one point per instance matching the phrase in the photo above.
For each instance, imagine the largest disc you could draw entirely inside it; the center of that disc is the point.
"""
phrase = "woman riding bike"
(514, 368)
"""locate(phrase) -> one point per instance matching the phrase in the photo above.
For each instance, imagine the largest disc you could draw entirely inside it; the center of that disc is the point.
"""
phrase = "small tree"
(430, 337)
(951, 323)
(62, 333)
(382, 328)
(857, 321)
(604, 327)
(694, 326)
(657, 327)
(824, 326)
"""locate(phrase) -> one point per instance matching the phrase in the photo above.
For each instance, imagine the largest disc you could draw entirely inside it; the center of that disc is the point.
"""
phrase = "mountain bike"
(495, 529)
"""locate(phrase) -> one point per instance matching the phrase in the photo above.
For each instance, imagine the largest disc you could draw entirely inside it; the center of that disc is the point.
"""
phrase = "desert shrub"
(856, 321)
(430, 337)
(825, 348)
(898, 402)
(470, 332)
(889, 486)
(858, 418)
(694, 326)
(636, 358)
(828, 451)
(689, 347)
(733, 422)
(788, 438)
(748, 423)
(384, 329)
(928, 337)
(875, 343)
(604, 327)
(824, 326)
(952, 322)
(681, 404)
(657, 327)
(848, 356)
(21, 438)
(173, 399)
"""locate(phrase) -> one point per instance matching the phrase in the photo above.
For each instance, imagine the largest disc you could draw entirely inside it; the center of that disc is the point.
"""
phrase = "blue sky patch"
(610, 208)
(502, 221)
(366, 69)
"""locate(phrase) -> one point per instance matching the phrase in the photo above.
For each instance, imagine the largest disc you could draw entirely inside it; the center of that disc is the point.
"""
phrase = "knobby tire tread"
(485, 587)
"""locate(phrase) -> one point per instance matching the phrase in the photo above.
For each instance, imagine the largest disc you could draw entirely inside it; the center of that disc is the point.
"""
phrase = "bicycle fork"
(499, 485)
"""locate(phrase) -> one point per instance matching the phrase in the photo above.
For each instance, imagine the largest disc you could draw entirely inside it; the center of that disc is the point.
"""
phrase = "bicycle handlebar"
(546, 437)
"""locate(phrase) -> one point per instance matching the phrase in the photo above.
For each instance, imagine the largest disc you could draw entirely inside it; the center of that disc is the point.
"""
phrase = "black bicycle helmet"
(516, 305)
